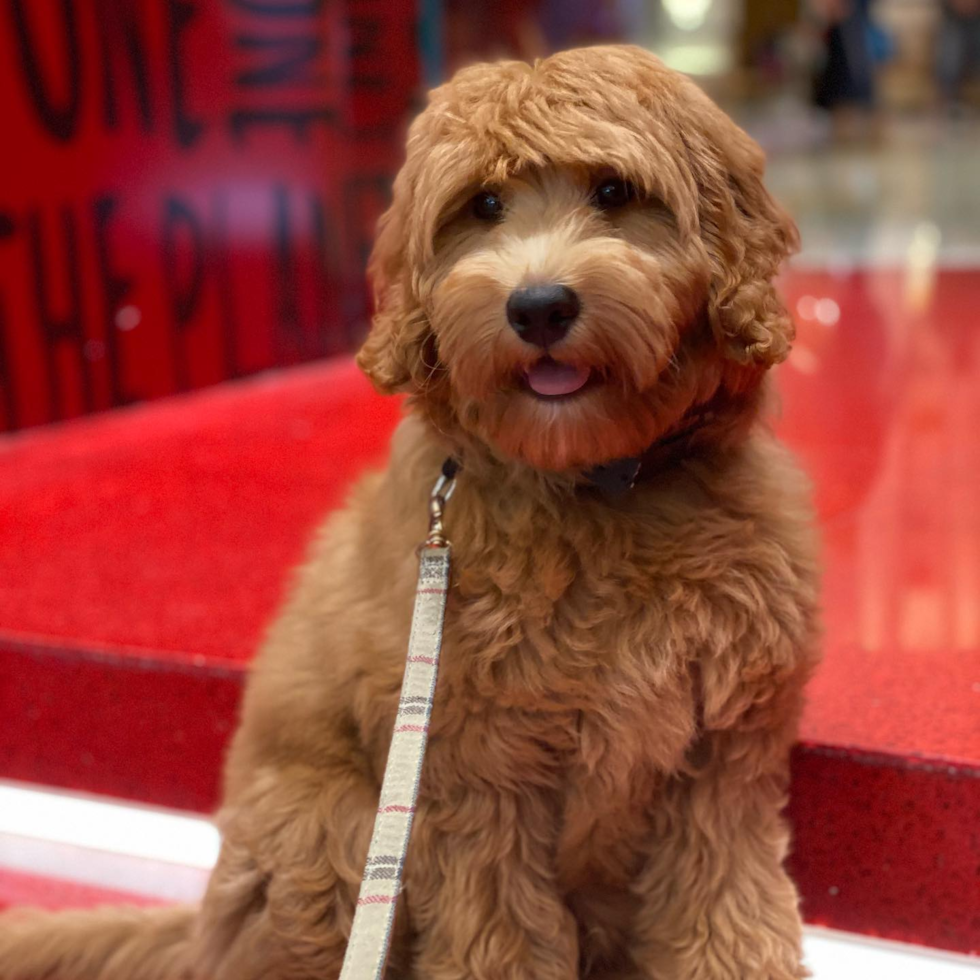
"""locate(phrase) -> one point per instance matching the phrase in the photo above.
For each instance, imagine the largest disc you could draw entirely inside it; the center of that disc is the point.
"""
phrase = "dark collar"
(681, 441)
(618, 477)
(684, 440)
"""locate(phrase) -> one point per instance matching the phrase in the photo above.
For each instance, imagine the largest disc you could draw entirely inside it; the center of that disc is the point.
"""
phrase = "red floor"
(18, 889)
(884, 410)
(141, 554)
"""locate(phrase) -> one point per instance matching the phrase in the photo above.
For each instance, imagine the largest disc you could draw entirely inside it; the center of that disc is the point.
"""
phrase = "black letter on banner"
(226, 291)
(115, 289)
(68, 327)
(6, 374)
(185, 292)
(60, 120)
(308, 9)
(298, 119)
(289, 65)
(331, 321)
(365, 33)
(289, 335)
(120, 26)
(364, 196)
(181, 13)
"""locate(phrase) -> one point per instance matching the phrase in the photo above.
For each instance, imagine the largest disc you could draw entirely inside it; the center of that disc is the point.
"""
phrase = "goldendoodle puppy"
(573, 281)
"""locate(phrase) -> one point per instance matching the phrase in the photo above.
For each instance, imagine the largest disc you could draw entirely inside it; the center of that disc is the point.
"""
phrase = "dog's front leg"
(716, 902)
(280, 902)
(482, 893)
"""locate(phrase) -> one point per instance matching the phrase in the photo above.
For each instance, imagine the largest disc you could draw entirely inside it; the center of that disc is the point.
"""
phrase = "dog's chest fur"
(573, 655)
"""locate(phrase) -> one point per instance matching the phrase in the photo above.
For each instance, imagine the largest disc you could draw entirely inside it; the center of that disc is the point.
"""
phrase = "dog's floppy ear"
(393, 354)
(747, 235)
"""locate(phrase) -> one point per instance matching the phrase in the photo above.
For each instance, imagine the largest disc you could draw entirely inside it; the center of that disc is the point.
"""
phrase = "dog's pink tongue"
(548, 377)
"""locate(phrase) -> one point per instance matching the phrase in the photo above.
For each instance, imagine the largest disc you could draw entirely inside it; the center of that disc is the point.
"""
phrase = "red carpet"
(142, 553)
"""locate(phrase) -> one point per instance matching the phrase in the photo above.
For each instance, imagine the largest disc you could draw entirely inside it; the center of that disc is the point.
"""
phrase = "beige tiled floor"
(913, 192)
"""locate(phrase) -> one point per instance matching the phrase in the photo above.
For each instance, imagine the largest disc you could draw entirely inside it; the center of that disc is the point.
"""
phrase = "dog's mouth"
(548, 378)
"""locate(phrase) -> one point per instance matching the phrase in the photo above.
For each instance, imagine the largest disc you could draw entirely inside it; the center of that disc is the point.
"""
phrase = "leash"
(370, 938)
(374, 915)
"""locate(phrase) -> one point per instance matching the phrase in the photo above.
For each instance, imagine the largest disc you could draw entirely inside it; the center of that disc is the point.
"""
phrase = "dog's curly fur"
(622, 678)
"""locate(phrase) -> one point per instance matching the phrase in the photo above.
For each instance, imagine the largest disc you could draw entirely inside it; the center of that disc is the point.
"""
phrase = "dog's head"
(578, 252)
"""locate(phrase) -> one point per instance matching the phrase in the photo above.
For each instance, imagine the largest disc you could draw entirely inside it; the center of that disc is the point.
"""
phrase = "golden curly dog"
(576, 269)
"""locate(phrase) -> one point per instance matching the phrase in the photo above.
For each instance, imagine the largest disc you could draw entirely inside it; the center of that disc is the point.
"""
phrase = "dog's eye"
(613, 193)
(487, 206)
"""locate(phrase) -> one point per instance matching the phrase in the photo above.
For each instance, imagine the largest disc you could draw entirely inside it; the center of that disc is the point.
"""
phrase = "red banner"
(189, 189)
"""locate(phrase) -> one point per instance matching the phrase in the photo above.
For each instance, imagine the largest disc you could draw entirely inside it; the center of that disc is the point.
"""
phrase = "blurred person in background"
(845, 80)
(958, 55)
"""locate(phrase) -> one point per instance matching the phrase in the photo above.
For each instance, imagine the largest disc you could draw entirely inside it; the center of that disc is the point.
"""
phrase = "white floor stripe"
(102, 825)
(833, 955)
(117, 872)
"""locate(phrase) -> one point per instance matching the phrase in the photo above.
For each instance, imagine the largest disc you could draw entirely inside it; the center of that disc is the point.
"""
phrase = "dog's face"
(576, 255)
(556, 302)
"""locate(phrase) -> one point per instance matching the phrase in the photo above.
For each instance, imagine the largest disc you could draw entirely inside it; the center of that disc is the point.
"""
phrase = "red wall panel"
(188, 189)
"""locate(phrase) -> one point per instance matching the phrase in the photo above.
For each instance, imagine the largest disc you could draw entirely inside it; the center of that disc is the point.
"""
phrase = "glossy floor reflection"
(882, 202)
(881, 399)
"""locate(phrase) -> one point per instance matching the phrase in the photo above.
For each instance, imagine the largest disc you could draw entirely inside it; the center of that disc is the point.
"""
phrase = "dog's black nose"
(542, 315)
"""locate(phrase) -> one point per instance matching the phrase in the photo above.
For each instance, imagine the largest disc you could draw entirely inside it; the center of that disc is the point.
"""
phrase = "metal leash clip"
(438, 499)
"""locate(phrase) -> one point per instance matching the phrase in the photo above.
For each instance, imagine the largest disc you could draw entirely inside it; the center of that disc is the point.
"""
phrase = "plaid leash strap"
(370, 935)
